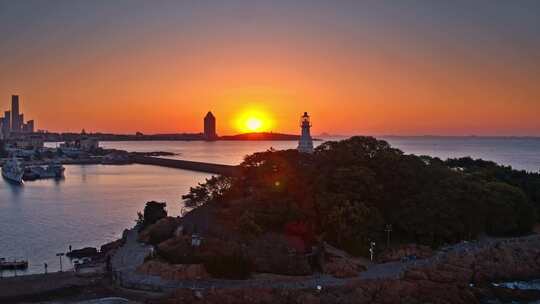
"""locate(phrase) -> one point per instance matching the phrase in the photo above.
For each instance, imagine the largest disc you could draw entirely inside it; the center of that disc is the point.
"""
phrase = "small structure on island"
(305, 145)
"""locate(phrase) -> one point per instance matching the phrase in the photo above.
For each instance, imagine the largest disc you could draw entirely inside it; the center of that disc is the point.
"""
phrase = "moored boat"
(13, 171)
(53, 170)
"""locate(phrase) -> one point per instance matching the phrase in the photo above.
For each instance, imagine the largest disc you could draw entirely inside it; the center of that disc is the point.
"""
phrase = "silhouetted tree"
(348, 190)
(153, 212)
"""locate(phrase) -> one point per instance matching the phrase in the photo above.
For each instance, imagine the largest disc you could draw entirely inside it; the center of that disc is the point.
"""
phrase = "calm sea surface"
(94, 203)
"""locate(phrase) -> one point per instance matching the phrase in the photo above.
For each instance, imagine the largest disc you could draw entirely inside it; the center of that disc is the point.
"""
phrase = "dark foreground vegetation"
(347, 192)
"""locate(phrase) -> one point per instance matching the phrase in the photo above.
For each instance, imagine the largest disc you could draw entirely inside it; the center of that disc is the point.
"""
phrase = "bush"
(153, 212)
(228, 267)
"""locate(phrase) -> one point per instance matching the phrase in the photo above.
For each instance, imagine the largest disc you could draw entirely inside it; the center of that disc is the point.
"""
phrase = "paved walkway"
(132, 254)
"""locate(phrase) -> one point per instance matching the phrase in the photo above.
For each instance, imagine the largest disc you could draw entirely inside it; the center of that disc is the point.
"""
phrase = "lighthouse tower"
(305, 145)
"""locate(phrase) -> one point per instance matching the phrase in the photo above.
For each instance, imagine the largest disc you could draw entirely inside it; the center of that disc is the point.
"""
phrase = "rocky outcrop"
(173, 272)
(340, 264)
(403, 251)
(461, 275)
(482, 263)
(109, 248)
(271, 253)
(160, 231)
(85, 252)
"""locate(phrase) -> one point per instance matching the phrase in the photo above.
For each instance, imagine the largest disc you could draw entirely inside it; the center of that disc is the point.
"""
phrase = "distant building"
(210, 127)
(29, 126)
(13, 121)
(89, 144)
(305, 145)
(6, 126)
(21, 122)
(29, 142)
(84, 144)
(15, 115)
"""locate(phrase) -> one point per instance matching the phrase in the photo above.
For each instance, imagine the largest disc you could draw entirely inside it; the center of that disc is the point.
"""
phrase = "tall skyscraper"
(210, 127)
(15, 115)
(30, 126)
(6, 127)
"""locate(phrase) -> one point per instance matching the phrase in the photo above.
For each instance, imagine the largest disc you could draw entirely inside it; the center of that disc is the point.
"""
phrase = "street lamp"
(60, 255)
(388, 229)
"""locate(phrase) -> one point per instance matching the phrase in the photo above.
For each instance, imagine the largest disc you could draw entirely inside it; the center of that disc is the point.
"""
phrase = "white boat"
(13, 171)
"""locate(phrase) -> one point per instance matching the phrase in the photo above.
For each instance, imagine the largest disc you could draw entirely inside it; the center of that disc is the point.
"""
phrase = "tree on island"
(153, 212)
(347, 191)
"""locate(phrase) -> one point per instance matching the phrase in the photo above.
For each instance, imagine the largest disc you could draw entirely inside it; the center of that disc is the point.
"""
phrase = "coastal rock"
(110, 247)
(272, 253)
(178, 250)
(509, 295)
(407, 250)
(340, 264)
(85, 252)
(173, 272)
(160, 231)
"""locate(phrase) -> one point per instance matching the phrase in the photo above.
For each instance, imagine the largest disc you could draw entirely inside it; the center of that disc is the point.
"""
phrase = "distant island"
(260, 136)
(57, 137)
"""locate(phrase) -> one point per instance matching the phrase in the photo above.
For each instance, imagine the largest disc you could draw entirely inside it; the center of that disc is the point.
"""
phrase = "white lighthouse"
(305, 145)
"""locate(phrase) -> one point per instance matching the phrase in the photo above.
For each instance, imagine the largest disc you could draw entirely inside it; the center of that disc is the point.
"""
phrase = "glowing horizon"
(373, 67)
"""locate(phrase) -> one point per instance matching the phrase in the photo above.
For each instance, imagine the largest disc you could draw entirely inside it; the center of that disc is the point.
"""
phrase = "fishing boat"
(54, 170)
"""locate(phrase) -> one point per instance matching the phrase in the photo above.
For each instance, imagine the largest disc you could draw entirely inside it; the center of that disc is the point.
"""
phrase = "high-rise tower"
(15, 115)
(305, 145)
(6, 126)
(210, 127)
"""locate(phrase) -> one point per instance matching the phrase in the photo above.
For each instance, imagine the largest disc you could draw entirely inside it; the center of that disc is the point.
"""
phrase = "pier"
(204, 167)
(212, 168)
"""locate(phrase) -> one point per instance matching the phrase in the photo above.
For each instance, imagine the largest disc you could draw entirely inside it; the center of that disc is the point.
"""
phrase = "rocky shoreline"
(463, 274)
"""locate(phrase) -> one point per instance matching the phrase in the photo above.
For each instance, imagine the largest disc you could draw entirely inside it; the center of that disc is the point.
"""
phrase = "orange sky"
(149, 72)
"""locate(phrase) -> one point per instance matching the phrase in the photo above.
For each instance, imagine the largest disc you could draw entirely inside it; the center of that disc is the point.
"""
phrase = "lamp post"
(60, 255)
(388, 229)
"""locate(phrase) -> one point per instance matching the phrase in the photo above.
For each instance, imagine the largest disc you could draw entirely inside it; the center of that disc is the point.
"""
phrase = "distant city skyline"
(13, 120)
(358, 67)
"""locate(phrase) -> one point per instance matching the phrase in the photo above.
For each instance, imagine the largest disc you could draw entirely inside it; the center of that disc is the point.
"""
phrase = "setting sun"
(253, 121)
(253, 124)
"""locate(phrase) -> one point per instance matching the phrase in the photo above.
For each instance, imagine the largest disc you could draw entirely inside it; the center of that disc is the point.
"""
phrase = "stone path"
(132, 253)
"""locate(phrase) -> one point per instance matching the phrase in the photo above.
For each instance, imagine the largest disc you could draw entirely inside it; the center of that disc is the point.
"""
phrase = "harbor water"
(95, 203)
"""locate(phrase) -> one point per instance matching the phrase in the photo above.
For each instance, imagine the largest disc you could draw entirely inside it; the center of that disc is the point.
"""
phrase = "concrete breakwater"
(212, 168)
(15, 289)
(185, 164)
